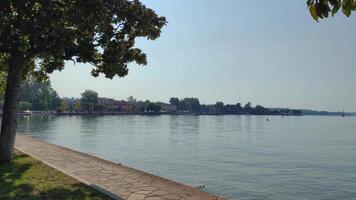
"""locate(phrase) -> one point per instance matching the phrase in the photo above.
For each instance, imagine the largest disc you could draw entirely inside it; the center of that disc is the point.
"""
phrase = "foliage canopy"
(322, 8)
(48, 32)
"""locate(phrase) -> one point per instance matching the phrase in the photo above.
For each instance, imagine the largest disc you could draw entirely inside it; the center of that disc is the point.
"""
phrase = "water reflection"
(190, 124)
(174, 123)
(90, 133)
(88, 125)
(38, 124)
(25, 122)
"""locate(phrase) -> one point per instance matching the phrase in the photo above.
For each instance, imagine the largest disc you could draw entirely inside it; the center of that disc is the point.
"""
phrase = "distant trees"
(219, 108)
(174, 101)
(132, 104)
(153, 108)
(39, 94)
(69, 105)
(191, 105)
(233, 109)
(247, 107)
(77, 105)
(24, 105)
(260, 110)
(64, 106)
(89, 101)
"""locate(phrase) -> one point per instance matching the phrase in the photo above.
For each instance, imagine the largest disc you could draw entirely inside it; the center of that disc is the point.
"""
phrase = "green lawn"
(27, 178)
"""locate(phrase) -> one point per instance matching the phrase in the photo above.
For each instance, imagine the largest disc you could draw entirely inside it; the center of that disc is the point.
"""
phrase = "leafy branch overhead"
(37, 36)
(323, 8)
(103, 33)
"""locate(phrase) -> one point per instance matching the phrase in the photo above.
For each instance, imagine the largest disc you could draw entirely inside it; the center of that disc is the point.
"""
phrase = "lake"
(237, 157)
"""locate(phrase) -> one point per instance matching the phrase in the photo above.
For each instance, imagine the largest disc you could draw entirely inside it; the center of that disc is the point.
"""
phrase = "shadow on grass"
(26, 178)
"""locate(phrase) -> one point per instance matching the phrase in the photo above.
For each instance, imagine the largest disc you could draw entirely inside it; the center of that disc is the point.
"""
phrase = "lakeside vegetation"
(27, 178)
(40, 96)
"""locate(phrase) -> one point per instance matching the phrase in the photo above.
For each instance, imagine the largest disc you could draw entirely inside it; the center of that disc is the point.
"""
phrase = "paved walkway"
(117, 181)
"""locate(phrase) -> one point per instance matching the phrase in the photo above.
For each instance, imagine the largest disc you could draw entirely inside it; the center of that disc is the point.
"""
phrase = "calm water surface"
(238, 157)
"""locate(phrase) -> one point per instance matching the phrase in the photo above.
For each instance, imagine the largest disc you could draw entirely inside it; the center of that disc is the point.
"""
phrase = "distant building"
(122, 106)
(108, 104)
(113, 105)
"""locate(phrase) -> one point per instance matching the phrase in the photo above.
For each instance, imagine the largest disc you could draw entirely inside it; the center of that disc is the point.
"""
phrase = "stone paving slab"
(118, 181)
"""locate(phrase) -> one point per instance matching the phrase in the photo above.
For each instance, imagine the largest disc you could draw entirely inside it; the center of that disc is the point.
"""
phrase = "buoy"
(201, 187)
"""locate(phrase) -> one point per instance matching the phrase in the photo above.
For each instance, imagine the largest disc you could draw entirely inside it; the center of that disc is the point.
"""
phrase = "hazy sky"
(268, 52)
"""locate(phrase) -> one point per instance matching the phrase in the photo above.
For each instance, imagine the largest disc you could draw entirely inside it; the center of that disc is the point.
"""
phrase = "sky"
(270, 53)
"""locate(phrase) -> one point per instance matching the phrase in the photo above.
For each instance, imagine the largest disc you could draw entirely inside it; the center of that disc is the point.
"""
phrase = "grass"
(30, 179)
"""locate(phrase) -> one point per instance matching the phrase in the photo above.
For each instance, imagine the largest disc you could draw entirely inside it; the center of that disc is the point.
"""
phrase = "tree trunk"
(8, 125)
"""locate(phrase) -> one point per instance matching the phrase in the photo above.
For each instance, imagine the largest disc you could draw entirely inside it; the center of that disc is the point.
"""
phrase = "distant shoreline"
(143, 114)
(154, 114)
(44, 113)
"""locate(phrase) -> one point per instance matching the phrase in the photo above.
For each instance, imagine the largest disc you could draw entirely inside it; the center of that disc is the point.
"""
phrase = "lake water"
(238, 157)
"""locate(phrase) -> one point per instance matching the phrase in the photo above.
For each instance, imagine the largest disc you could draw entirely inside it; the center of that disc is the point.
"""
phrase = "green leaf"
(347, 7)
(333, 2)
(313, 12)
(336, 8)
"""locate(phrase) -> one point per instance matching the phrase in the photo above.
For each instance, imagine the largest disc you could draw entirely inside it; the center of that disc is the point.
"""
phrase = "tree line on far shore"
(40, 96)
(192, 105)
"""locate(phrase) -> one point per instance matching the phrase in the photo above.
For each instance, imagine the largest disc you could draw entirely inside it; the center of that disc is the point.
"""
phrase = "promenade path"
(118, 181)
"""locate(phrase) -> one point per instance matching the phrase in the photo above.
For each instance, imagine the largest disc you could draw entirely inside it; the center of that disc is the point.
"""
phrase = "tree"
(322, 8)
(141, 109)
(219, 108)
(174, 101)
(55, 102)
(232, 109)
(260, 110)
(64, 106)
(39, 93)
(238, 107)
(77, 106)
(248, 107)
(187, 104)
(153, 108)
(37, 36)
(131, 99)
(182, 106)
(89, 100)
(2, 83)
(194, 105)
(24, 105)
(70, 105)
(132, 103)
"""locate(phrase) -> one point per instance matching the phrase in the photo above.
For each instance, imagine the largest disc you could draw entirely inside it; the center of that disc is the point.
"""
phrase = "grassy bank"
(27, 178)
